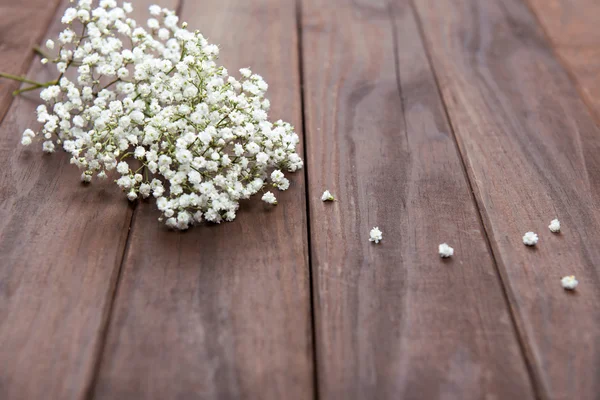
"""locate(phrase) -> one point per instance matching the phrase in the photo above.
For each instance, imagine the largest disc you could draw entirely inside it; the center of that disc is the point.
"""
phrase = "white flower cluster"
(151, 103)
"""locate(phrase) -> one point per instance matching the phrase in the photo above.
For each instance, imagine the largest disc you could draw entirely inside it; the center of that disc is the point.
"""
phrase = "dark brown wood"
(22, 24)
(221, 311)
(393, 320)
(572, 25)
(61, 244)
(531, 149)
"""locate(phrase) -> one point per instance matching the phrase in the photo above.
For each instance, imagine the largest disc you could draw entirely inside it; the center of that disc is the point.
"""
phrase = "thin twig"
(27, 89)
(41, 52)
(19, 78)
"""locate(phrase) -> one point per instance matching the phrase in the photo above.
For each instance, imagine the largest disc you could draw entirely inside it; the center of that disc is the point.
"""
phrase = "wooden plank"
(393, 320)
(531, 150)
(221, 311)
(61, 245)
(21, 26)
(572, 26)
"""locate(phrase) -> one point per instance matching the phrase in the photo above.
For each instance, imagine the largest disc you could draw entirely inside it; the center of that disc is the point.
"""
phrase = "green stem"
(112, 83)
(41, 52)
(27, 89)
(20, 79)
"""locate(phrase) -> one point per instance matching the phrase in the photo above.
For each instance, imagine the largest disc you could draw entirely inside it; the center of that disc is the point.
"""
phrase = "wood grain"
(61, 244)
(21, 26)
(221, 311)
(531, 149)
(572, 26)
(393, 320)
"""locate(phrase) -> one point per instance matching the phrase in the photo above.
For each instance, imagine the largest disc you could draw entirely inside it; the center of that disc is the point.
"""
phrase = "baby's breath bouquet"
(152, 104)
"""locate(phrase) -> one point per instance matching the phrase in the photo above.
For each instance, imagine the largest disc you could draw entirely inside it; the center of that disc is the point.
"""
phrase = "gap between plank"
(519, 333)
(390, 8)
(179, 8)
(311, 274)
(563, 62)
(89, 391)
(113, 290)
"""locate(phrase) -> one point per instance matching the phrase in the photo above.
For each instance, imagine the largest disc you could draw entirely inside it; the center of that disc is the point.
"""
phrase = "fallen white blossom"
(530, 239)
(569, 282)
(327, 196)
(445, 250)
(375, 235)
(554, 226)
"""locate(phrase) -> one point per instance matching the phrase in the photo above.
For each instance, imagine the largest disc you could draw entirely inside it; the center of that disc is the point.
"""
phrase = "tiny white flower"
(69, 16)
(283, 184)
(29, 133)
(269, 198)
(122, 168)
(554, 226)
(327, 196)
(445, 250)
(153, 23)
(78, 121)
(139, 152)
(48, 147)
(26, 140)
(155, 10)
(262, 158)
(530, 239)
(277, 176)
(132, 195)
(86, 178)
(50, 44)
(245, 72)
(569, 282)
(375, 235)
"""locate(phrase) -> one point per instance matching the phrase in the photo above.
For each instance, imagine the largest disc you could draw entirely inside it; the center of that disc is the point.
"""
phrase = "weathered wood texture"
(61, 244)
(573, 27)
(221, 311)
(531, 149)
(393, 320)
(21, 26)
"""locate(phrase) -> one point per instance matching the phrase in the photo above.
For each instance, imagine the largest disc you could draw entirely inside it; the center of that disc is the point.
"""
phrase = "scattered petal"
(530, 239)
(554, 226)
(327, 196)
(569, 282)
(376, 235)
(445, 250)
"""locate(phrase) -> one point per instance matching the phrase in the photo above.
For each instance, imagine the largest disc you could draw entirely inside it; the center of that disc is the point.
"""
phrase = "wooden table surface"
(462, 121)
